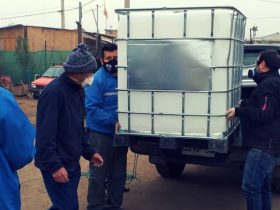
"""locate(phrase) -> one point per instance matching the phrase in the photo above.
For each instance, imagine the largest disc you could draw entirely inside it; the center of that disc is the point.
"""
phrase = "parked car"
(38, 85)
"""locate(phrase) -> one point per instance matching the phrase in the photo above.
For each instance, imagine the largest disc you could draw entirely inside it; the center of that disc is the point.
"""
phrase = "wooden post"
(79, 24)
(127, 3)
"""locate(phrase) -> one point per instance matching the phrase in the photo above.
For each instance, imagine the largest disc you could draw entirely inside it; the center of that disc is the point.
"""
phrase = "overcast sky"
(265, 14)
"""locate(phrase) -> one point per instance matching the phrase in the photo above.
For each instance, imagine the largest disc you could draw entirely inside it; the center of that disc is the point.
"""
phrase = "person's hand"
(230, 113)
(97, 160)
(117, 127)
(61, 175)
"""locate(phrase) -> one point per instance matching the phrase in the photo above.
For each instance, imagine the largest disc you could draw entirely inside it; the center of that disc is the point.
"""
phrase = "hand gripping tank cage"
(180, 69)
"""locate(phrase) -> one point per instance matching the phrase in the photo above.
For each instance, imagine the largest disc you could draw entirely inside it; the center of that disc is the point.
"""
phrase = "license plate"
(197, 152)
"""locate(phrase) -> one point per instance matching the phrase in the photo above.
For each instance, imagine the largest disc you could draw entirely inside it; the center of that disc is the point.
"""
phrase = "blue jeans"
(114, 169)
(257, 178)
(64, 196)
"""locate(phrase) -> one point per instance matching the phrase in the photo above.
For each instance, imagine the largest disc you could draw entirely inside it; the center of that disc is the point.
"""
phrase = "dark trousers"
(63, 195)
(257, 178)
(113, 169)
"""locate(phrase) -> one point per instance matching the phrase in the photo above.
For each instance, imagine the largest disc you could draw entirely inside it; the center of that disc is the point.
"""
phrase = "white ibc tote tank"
(179, 70)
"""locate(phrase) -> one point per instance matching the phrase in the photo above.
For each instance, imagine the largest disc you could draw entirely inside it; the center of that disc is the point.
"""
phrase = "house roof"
(269, 38)
(92, 34)
(21, 26)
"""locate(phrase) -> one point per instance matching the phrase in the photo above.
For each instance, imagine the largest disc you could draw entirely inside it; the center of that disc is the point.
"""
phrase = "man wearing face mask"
(60, 136)
(260, 116)
(102, 121)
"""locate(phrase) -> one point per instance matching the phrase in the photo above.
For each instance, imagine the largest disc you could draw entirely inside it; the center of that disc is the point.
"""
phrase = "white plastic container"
(179, 70)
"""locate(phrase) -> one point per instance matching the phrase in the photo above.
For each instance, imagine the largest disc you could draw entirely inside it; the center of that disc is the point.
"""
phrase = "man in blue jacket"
(261, 130)
(16, 149)
(60, 139)
(102, 121)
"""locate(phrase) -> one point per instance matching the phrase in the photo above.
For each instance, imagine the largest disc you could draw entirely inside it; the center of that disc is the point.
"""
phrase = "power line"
(44, 13)
(89, 10)
(24, 12)
(35, 14)
(83, 5)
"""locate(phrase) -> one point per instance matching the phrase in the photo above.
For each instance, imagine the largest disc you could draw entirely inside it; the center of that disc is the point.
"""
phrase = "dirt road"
(199, 187)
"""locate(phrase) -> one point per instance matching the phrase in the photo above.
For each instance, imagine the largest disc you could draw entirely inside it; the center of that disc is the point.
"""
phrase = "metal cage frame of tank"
(236, 40)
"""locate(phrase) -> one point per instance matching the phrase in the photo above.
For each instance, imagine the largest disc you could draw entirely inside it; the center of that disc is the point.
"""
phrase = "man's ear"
(101, 61)
(263, 67)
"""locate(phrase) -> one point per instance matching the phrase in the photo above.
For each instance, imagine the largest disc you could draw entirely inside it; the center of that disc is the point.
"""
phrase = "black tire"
(170, 170)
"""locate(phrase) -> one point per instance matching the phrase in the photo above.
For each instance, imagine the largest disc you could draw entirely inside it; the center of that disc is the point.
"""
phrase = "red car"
(38, 85)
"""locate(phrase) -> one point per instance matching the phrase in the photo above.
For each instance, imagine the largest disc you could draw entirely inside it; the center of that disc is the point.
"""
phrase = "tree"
(22, 56)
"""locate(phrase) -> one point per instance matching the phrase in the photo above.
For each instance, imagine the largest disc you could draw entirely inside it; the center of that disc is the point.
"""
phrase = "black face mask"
(254, 74)
(258, 77)
(110, 66)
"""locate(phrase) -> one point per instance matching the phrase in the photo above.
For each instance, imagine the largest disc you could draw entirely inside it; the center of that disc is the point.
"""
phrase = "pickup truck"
(236, 154)
(175, 82)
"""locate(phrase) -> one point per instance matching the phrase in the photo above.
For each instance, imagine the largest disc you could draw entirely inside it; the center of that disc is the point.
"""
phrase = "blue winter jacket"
(101, 103)
(16, 149)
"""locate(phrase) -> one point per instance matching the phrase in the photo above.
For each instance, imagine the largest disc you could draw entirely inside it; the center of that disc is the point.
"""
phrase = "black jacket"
(260, 115)
(60, 135)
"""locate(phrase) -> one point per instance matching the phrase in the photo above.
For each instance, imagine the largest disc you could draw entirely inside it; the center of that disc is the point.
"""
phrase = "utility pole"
(127, 3)
(97, 35)
(79, 24)
(97, 19)
(45, 55)
(253, 31)
(62, 15)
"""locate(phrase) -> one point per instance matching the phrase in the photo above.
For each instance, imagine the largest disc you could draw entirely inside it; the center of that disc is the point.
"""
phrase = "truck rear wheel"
(170, 170)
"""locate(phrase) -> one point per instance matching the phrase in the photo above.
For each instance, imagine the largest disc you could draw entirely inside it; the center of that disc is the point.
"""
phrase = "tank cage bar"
(236, 12)
(236, 38)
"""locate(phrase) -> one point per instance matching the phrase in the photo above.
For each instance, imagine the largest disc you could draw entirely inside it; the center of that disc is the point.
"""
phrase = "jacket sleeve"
(16, 132)
(265, 110)
(47, 130)
(243, 102)
(94, 104)
(88, 150)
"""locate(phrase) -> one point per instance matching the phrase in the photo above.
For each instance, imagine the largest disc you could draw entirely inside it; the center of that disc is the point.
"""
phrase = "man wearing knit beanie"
(102, 122)
(260, 116)
(60, 137)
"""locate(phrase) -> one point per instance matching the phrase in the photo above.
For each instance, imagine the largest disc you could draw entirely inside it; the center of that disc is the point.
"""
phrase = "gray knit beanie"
(80, 60)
